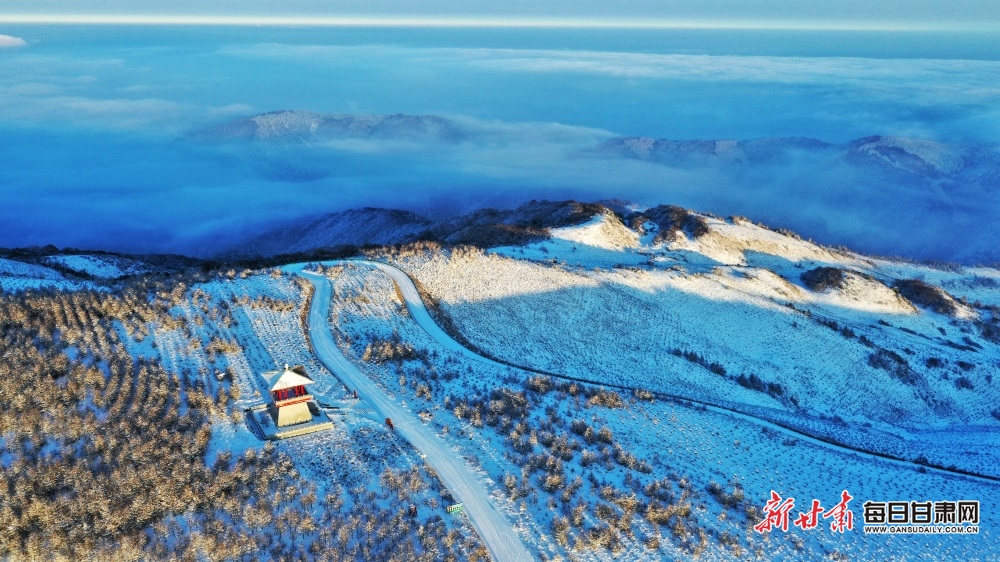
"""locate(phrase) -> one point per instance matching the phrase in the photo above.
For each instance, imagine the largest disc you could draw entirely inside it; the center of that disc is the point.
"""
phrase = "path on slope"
(493, 528)
(418, 310)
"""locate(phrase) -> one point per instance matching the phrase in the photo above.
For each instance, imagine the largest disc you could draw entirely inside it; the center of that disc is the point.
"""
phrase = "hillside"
(485, 228)
(627, 383)
(736, 315)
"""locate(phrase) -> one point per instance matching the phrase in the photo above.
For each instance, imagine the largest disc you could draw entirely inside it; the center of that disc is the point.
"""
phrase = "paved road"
(492, 526)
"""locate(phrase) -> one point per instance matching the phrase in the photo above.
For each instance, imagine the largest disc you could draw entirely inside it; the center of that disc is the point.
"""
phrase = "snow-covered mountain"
(704, 152)
(306, 126)
(370, 226)
(915, 157)
(726, 311)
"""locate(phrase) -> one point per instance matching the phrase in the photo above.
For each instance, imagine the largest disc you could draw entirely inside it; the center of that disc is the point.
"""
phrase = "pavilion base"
(264, 425)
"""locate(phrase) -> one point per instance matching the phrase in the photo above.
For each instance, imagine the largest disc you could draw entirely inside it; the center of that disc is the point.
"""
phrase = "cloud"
(680, 95)
(231, 110)
(95, 137)
(9, 41)
(151, 114)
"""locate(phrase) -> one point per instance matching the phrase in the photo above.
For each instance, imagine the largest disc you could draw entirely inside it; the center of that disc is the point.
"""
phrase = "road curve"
(495, 531)
(415, 305)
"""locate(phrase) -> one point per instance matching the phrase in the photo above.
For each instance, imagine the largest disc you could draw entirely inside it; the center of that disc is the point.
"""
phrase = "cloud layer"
(98, 153)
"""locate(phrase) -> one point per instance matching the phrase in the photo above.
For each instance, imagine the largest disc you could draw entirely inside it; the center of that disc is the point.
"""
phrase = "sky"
(851, 14)
(103, 148)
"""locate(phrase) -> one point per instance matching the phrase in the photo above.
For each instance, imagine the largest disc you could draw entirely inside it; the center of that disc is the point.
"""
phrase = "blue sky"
(924, 14)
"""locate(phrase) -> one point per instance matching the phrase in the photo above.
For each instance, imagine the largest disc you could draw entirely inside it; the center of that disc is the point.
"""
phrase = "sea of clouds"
(102, 149)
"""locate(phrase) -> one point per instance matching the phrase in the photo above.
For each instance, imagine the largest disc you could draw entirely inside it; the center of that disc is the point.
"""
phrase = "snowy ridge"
(14, 268)
(106, 267)
(906, 153)
(865, 293)
(18, 276)
(735, 297)
(604, 231)
(918, 156)
(355, 227)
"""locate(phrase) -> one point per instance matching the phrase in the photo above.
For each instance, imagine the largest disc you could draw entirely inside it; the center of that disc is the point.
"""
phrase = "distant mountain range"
(915, 157)
(304, 126)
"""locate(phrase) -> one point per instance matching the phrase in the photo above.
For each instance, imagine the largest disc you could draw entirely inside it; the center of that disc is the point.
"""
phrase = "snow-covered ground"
(102, 266)
(18, 276)
(760, 383)
(227, 332)
(681, 443)
(14, 268)
(622, 326)
(494, 530)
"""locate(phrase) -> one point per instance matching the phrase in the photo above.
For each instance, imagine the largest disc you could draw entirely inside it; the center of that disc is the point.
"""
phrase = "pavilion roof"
(290, 377)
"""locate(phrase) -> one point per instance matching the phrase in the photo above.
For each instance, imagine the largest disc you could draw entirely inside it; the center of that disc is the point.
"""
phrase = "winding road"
(493, 527)
(418, 311)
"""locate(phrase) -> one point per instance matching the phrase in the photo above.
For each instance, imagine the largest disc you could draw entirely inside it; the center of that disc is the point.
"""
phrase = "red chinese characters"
(775, 513)
(842, 517)
(810, 519)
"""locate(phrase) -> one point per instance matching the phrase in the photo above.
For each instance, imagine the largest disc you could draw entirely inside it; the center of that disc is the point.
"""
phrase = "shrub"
(389, 351)
(605, 436)
(927, 295)
(963, 382)
(823, 278)
(560, 529)
(540, 384)
(553, 482)
(671, 219)
(644, 395)
(607, 399)
(753, 382)
(894, 364)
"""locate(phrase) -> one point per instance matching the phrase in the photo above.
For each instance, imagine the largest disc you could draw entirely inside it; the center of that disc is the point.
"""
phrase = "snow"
(496, 533)
(14, 268)
(103, 266)
(686, 318)
(750, 314)
(703, 444)
(16, 276)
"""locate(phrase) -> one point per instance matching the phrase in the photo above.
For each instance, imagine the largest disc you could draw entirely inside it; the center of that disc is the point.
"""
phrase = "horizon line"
(482, 22)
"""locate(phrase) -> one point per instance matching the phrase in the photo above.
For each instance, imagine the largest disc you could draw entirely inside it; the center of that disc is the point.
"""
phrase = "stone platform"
(262, 422)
